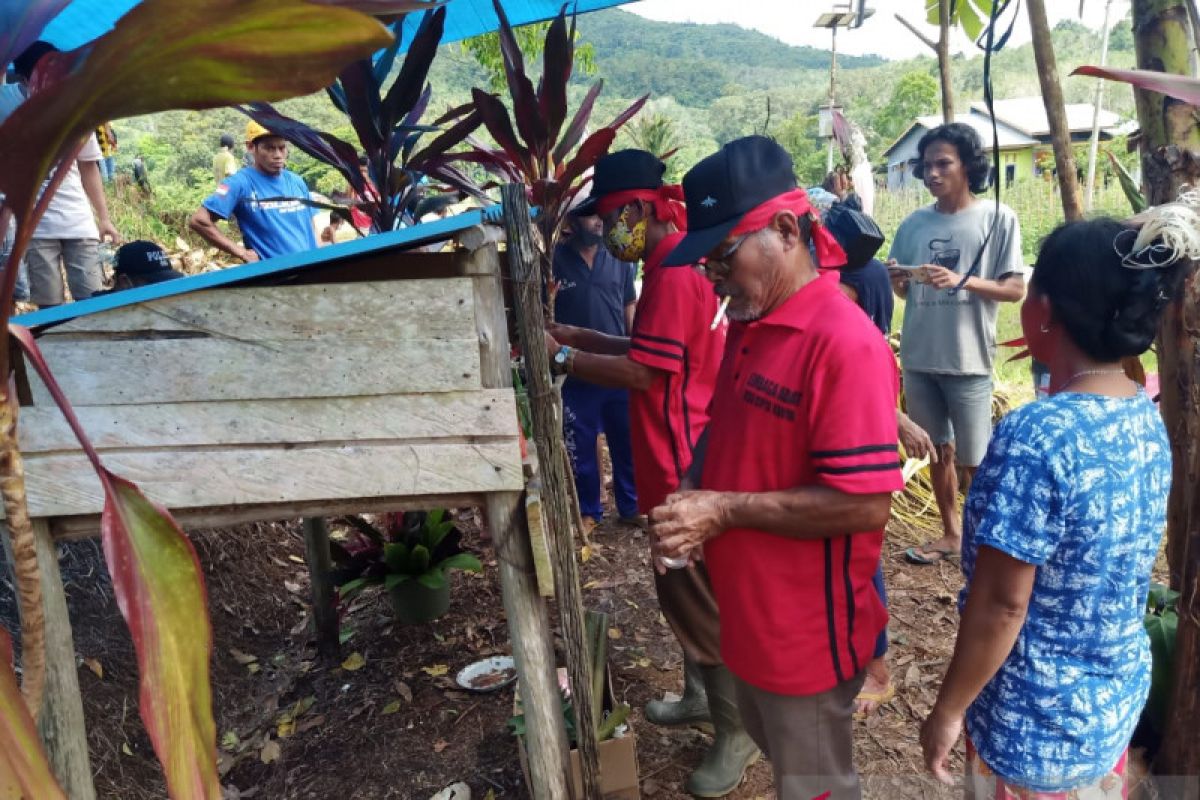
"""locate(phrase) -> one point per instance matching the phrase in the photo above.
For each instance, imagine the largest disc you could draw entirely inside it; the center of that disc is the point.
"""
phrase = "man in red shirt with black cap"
(796, 471)
(669, 362)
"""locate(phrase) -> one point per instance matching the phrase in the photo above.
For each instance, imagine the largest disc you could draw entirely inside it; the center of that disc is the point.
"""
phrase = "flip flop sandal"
(914, 555)
(878, 698)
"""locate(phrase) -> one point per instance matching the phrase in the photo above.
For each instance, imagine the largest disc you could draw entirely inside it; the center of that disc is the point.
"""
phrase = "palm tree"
(655, 133)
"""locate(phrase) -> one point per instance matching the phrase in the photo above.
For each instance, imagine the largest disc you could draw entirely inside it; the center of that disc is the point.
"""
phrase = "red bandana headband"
(829, 252)
(667, 200)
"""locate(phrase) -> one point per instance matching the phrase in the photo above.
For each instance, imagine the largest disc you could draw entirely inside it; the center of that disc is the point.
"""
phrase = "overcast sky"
(792, 21)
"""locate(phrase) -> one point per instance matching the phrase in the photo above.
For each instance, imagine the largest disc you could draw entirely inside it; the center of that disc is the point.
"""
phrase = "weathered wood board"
(287, 395)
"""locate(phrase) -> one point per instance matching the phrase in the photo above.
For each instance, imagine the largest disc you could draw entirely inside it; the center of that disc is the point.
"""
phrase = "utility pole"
(832, 93)
(1097, 102)
(844, 15)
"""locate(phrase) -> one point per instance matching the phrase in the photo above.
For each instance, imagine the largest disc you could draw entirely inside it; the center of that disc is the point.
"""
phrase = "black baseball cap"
(27, 61)
(622, 171)
(722, 188)
(145, 262)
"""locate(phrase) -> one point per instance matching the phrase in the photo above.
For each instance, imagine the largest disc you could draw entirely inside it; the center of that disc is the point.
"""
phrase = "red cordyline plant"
(543, 150)
(163, 54)
(389, 129)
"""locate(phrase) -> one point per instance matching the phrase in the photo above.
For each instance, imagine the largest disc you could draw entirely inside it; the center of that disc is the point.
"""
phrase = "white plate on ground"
(487, 675)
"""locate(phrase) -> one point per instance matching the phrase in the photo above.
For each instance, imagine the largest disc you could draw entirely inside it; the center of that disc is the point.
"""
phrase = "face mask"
(587, 238)
(627, 244)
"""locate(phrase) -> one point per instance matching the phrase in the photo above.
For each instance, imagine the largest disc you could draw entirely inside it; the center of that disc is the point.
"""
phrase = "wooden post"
(1056, 112)
(547, 426)
(61, 723)
(324, 603)
(524, 608)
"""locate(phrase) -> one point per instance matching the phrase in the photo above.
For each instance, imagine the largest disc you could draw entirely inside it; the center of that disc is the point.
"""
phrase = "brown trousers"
(686, 599)
(808, 739)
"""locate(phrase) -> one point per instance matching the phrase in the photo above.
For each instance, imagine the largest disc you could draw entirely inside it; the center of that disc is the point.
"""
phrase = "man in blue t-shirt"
(266, 200)
(595, 291)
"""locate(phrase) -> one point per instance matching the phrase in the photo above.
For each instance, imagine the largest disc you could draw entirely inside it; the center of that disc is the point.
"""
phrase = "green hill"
(695, 64)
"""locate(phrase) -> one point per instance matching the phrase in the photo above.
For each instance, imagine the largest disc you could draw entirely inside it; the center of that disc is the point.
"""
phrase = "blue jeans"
(589, 410)
(881, 644)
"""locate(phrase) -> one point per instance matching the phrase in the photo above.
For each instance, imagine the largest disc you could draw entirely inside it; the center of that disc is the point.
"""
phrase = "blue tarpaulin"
(84, 20)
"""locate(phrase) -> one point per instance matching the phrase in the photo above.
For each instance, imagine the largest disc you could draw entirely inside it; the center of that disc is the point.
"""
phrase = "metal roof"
(1028, 115)
(1007, 136)
(403, 239)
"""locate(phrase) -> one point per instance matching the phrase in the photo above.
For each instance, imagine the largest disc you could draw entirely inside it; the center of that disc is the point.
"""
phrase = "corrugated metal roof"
(403, 239)
(84, 20)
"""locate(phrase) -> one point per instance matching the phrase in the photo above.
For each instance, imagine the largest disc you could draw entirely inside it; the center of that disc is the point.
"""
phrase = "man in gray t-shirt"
(953, 267)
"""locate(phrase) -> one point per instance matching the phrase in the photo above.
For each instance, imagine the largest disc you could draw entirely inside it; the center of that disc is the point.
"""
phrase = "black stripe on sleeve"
(660, 340)
(849, 540)
(829, 619)
(856, 451)
(635, 345)
(671, 432)
(860, 468)
(683, 395)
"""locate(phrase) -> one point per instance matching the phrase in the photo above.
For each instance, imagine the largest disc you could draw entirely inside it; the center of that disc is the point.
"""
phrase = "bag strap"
(978, 258)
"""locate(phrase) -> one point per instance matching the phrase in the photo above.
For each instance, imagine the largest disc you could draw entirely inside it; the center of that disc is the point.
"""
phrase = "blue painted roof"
(403, 239)
(84, 20)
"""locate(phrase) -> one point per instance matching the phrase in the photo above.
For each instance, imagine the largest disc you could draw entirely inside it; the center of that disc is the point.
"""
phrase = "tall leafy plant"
(485, 49)
(387, 123)
(536, 144)
(162, 54)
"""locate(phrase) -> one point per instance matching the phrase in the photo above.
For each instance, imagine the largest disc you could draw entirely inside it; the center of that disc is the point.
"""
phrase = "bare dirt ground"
(290, 727)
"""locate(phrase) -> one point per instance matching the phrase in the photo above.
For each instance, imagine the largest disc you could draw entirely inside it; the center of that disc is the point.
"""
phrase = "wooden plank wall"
(296, 397)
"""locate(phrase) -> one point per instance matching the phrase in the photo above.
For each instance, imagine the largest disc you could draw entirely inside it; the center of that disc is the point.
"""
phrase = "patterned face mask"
(627, 244)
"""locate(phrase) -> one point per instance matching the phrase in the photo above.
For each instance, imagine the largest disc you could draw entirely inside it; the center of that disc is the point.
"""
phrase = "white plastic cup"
(674, 563)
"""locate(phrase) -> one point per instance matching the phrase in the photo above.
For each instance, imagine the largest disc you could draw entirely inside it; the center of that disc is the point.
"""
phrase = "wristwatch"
(562, 361)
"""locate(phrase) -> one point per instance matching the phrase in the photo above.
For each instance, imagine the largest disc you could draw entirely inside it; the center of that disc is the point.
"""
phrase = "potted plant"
(410, 558)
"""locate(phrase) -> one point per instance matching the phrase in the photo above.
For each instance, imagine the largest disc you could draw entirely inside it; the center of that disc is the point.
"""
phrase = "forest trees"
(916, 94)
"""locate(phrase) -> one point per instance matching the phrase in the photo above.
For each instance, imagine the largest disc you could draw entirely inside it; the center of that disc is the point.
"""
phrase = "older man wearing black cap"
(669, 362)
(797, 472)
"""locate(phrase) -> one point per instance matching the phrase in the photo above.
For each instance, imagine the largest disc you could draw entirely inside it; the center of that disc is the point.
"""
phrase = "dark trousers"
(686, 599)
(808, 739)
(589, 410)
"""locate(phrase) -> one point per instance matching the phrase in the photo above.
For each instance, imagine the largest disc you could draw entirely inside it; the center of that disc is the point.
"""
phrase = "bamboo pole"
(524, 607)
(547, 429)
(1097, 102)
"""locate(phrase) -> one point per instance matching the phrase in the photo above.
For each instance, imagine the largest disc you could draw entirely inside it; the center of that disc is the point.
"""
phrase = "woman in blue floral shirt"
(1061, 527)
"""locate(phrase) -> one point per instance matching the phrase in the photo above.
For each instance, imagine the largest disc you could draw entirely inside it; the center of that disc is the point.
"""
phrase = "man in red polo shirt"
(669, 362)
(796, 472)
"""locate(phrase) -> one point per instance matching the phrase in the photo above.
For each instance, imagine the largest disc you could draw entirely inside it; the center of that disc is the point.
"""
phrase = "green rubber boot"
(690, 709)
(732, 751)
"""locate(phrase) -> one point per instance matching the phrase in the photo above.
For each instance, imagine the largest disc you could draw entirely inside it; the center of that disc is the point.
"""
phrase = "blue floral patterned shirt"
(1075, 484)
